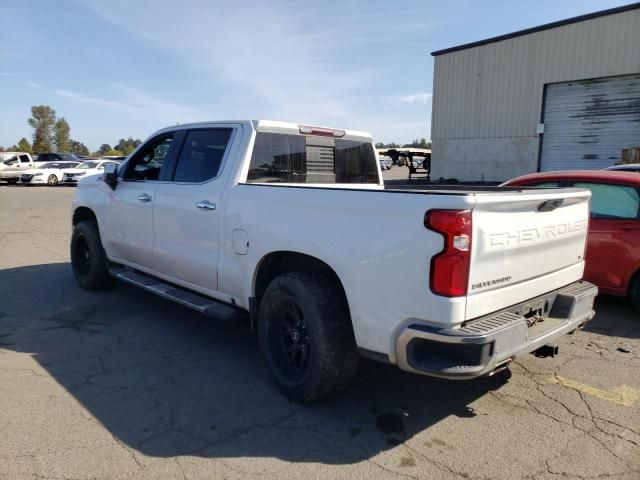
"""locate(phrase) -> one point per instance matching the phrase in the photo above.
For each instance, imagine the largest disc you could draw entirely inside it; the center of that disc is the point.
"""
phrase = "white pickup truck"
(13, 164)
(293, 224)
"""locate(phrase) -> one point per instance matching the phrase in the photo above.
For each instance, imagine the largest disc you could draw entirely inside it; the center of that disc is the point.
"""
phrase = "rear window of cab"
(290, 158)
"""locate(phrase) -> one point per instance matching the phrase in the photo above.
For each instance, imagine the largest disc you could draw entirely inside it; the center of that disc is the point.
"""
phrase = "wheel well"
(83, 213)
(277, 263)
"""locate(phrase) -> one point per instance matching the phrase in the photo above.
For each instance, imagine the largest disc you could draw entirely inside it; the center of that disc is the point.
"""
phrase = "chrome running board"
(200, 303)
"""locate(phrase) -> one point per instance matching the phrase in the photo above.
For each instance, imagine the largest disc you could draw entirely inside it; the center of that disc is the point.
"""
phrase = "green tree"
(61, 135)
(104, 148)
(113, 153)
(387, 145)
(43, 119)
(78, 148)
(418, 143)
(126, 146)
(24, 145)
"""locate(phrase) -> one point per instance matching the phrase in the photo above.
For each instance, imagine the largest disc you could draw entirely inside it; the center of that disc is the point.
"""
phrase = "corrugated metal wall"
(587, 123)
(495, 91)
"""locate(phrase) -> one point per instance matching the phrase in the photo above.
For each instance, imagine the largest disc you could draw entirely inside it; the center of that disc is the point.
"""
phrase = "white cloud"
(137, 102)
(283, 59)
(416, 98)
(33, 84)
(268, 50)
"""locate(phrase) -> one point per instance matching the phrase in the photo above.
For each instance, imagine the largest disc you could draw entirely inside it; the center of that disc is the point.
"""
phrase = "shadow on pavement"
(167, 381)
(614, 317)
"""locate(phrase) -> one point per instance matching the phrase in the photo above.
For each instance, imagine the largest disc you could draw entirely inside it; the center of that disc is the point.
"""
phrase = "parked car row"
(49, 168)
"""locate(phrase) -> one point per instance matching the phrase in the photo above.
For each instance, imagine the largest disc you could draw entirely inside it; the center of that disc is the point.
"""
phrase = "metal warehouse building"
(560, 96)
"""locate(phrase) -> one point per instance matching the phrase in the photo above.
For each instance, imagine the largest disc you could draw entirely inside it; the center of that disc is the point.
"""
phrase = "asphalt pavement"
(121, 384)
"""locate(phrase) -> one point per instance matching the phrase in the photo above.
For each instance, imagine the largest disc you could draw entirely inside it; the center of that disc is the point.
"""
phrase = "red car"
(613, 244)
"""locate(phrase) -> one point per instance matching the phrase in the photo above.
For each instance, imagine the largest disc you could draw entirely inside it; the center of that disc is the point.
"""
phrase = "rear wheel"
(88, 260)
(305, 334)
(634, 291)
(52, 180)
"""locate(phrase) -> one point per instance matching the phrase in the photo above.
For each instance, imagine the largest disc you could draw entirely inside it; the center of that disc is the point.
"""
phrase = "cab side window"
(148, 162)
(544, 185)
(612, 201)
(201, 155)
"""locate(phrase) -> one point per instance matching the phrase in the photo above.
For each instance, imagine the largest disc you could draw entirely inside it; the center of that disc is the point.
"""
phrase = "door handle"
(144, 197)
(206, 205)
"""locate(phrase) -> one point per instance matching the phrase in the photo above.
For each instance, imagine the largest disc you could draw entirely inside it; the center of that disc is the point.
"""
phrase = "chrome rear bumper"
(482, 345)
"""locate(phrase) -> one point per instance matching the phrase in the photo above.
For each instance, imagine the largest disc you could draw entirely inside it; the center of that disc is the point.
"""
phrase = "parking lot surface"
(121, 384)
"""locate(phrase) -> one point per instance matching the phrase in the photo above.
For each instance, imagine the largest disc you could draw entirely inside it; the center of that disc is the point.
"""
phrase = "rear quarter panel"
(375, 241)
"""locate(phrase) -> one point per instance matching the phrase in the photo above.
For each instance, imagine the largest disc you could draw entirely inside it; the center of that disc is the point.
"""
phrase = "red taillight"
(450, 268)
(321, 131)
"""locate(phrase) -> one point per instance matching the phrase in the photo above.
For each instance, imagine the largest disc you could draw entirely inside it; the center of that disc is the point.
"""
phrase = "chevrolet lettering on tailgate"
(529, 235)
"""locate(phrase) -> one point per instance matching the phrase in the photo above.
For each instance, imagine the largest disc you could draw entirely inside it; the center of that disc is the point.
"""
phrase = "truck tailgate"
(525, 244)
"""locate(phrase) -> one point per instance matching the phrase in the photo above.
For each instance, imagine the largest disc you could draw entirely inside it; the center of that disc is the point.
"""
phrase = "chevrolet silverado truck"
(292, 224)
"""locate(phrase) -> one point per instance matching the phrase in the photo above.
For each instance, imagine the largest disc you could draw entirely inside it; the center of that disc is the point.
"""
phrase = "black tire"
(634, 291)
(88, 260)
(52, 180)
(12, 181)
(324, 336)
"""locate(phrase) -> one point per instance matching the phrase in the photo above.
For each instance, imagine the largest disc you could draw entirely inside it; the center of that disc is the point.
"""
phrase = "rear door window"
(612, 201)
(201, 155)
(290, 158)
(24, 159)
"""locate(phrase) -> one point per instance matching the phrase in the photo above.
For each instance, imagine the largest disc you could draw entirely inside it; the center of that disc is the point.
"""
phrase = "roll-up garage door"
(587, 123)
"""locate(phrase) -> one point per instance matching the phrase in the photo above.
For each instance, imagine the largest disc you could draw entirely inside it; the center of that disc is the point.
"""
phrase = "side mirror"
(110, 175)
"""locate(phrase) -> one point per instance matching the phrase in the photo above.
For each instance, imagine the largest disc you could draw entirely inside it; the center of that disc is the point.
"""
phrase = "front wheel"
(52, 180)
(88, 261)
(305, 333)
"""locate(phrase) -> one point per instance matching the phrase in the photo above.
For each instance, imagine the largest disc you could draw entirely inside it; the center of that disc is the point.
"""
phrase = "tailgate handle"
(550, 205)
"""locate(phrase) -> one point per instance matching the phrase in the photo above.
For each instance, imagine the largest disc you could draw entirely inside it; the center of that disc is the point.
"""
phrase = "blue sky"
(120, 68)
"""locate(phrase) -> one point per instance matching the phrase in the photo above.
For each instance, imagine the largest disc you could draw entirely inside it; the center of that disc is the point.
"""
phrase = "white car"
(294, 225)
(86, 168)
(629, 167)
(49, 173)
